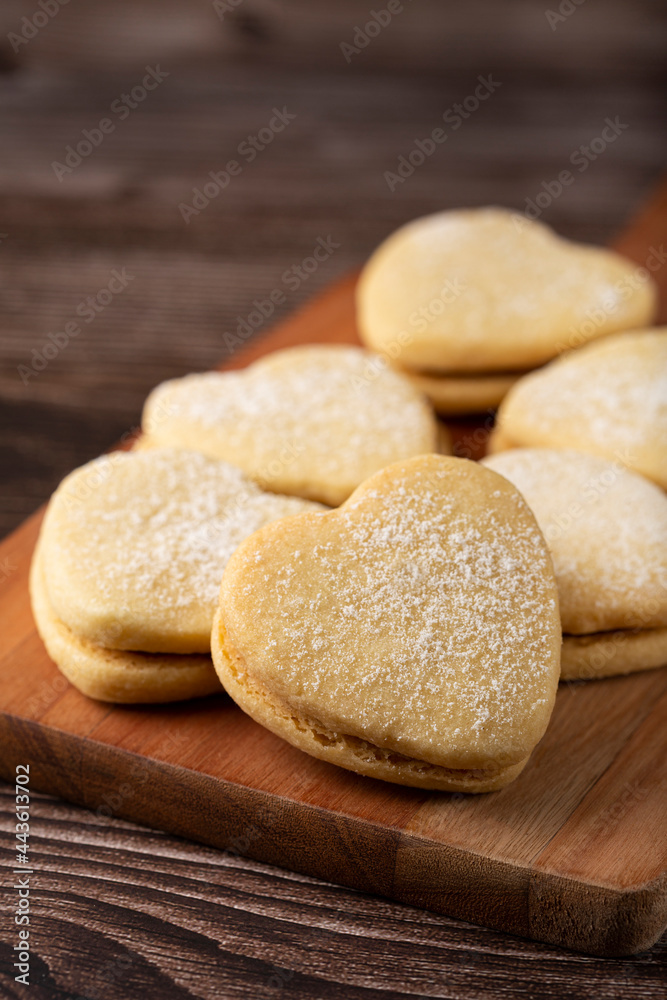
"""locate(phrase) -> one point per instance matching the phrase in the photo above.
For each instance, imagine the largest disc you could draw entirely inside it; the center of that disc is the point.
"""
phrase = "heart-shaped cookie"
(133, 546)
(413, 634)
(116, 675)
(609, 398)
(309, 421)
(606, 528)
(485, 290)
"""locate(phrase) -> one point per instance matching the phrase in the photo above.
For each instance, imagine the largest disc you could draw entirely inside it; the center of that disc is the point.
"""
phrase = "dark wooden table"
(121, 911)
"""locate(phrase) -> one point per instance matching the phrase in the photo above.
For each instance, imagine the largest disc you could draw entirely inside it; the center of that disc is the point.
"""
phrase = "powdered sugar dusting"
(418, 618)
(335, 414)
(610, 396)
(606, 528)
(148, 535)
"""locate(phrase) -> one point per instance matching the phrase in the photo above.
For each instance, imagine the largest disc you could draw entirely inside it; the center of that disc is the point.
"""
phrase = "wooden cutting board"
(572, 853)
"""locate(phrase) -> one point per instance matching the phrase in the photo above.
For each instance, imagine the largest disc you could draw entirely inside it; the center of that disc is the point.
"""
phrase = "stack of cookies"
(466, 302)
(601, 507)
(299, 535)
(125, 576)
(606, 529)
(608, 399)
(133, 546)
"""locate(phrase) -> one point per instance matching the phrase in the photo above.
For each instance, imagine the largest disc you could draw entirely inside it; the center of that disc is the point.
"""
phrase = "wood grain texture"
(323, 175)
(558, 86)
(571, 853)
(131, 912)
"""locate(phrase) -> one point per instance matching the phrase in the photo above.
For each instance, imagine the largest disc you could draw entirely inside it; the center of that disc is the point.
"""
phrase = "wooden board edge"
(550, 908)
(336, 848)
(113, 782)
(614, 923)
(303, 325)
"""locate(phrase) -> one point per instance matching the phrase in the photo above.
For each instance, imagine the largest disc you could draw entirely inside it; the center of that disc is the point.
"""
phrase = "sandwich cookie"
(608, 398)
(606, 528)
(454, 395)
(129, 562)
(121, 676)
(308, 421)
(411, 635)
(481, 292)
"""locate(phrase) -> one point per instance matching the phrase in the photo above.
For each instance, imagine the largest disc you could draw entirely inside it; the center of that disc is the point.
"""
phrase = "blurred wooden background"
(109, 891)
(322, 176)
